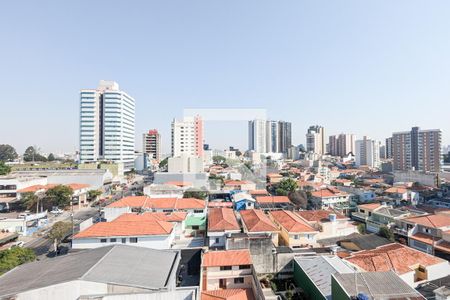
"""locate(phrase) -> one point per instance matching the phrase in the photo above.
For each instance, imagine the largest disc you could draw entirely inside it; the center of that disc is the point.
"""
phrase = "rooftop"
(257, 221)
(228, 294)
(377, 285)
(222, 219)
(226, 258)
(396, 257)
(291, 222)
(320, 268)
(319, 215)
(159, 203)
(272, 199)
(103, 265)
(434, 221)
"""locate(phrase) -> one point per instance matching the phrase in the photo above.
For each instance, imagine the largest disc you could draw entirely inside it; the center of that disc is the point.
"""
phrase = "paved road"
(41, 245)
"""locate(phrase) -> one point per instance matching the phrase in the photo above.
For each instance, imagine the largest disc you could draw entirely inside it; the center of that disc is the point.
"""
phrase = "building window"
(296, 237)
(244, 267)
(133, 240)
(198, 211)
(239, 280)
(225, 268)
(124, 240)
(113, 240)
(217, 240)
(102, 240)
(195, 227)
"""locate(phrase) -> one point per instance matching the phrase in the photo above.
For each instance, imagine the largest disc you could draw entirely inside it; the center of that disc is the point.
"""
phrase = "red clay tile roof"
(222, 219)
(369, 205)
(396, 257)
(424, 238)
(434, 221)
(396, 190)
(228, 294)
(272, 199)
(443, 246)
(37, 187)
(318, 215)
(258, 192)
(226, 258)
(176, 216)
(290, 221)
(159, 203)
(328, 192)
(256, 220)
(126, 228)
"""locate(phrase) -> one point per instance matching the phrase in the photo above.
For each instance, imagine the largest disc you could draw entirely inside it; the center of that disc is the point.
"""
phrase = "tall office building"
(269, 136)
(315, 140)
(342, 144)
(107, 129)
(152, 144)
(389, 148)
(417, 150)
(285, 136)
(187, 136)
(367, 153)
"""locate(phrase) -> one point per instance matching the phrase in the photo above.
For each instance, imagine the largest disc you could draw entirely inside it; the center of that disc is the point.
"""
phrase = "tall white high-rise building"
(257, 135)
(315, 140)
(367, 153)
(187, 137)
(269, 136)
(107, 125)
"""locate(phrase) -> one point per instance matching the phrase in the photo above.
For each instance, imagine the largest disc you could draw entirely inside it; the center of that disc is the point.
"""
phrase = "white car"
(19, 244)
(56, 211)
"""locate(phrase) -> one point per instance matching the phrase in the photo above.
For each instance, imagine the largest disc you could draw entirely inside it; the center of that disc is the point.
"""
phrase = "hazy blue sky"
(366, 67)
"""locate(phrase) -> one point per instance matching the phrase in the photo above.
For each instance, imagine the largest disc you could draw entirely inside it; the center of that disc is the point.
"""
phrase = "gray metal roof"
(118, 264)
(367, 241)
(377, 285)
(320, 268)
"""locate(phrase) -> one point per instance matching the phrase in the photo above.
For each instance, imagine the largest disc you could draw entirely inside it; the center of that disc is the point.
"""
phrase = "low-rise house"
(144, 203)
(373, 285)
(228, 275)
(294, 231)
(241, 185)
(97, 273)
(313, 274)
(330, 197)
(243, 201)
(376, 216)
(402, 194)
(429, 233)
(274, 178)
(328, 223)
(438, 289)
(145, 230)
(221, 222)
(413, 266)
(165, 190)
(256, 222)
(273, 202)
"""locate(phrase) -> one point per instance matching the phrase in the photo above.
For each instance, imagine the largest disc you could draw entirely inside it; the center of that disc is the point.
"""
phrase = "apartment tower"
(152, 144)
(187, 137)
(107, 125)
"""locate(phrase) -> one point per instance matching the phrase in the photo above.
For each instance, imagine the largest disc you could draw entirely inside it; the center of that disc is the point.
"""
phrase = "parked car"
(24, 214)
(56, 211)
(19, 244)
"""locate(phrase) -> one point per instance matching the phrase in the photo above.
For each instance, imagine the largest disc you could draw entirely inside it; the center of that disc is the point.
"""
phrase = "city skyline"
(289, 60)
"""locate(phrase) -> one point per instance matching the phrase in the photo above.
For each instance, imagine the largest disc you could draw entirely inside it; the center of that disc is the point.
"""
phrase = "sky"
(363, 67)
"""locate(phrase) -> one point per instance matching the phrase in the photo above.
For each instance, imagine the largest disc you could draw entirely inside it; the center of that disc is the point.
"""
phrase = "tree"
(31, 154)
(361, 228)
(51, 157)
(219, 160)
(299, 198)
(285, 186)
(4, 168)
(29, 200)
(386, 233)
(198, 194)
(58, 232)
(7, 153)
(163, 163)
(93, 194)
(11, 258)
(59, 195)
